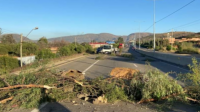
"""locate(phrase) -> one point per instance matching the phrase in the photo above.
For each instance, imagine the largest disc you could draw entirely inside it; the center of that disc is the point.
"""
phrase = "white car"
(107, 49)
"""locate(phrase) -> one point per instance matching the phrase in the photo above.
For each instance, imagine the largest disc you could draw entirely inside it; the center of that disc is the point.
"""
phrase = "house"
(54, 49)
(97, 44)
(110, 42)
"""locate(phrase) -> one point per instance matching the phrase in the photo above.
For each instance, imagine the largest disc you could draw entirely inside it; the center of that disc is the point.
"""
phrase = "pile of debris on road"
(30, 90)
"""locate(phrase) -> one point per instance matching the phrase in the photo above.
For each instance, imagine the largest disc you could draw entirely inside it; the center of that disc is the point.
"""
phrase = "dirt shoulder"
(52, 63)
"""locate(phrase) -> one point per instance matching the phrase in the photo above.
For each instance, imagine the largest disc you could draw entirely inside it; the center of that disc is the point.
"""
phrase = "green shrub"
(8, 63)
(169, 47)
(187, 48)
(3, 50)
(27, 49)
(192, 80)
(153, 84)
(80, 49)
(88, 48)
(45, 54)
(157, 48)
(64, 51)
(115, 93)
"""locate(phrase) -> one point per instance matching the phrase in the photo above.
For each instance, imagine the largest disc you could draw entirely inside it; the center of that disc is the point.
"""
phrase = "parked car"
(107, 49)
(98, 50)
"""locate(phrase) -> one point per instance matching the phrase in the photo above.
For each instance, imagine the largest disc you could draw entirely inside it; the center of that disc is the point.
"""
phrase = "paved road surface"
(95, 68)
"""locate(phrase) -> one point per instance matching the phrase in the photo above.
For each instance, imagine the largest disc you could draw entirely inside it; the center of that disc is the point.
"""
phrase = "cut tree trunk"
(27, 86)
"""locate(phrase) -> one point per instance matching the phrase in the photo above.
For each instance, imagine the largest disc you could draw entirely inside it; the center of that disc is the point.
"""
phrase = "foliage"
(193, 77)
(43, 40)
(45, 54)
(153, 84)
(43, 43)
(3, 49)
(187, 47)
(27, 49)
(80, 49)
(116, 45)
(64, 51)
(169, 48)
(73, 49)
(114, 93)
(8, 39)
(88, 48)
(157, 48)
(7, 63)
(160, 43)
(119, 40)
(192, 80)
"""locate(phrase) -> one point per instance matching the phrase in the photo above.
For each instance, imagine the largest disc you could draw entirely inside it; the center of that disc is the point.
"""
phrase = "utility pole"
(172, 37)
(21, 50)
(139, 37)
(75, 41)
(154, 37)
(0, 32)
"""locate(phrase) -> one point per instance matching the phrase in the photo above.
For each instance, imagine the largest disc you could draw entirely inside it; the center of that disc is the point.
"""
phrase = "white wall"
(172, 58)
(27, 59)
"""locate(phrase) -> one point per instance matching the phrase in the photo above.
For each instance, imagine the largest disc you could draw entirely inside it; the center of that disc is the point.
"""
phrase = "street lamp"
(139, 30)
(21, 44)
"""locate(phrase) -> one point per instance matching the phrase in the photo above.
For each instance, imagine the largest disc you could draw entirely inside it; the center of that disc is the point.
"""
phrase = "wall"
(27, 59)
(172, 58)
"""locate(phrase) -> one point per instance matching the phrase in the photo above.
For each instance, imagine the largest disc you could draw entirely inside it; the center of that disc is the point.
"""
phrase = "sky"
(56, 18)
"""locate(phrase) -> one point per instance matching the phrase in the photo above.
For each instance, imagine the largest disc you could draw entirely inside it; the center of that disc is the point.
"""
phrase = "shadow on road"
(51, 106)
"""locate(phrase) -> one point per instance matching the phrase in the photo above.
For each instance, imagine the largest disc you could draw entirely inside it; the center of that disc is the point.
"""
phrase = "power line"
(185, 25)
(176, 11)
(170, 14)
(148, 28)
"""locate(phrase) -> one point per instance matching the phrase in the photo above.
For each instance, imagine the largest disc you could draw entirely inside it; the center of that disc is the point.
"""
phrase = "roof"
(97, 43)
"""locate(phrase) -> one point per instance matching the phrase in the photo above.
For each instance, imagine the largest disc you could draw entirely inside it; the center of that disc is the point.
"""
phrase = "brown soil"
(120, 72)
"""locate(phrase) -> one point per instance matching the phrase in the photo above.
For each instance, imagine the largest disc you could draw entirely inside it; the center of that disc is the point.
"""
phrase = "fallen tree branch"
(5, 82)
(191, 99)
(5, 100)
(77, 82)
(27, 86)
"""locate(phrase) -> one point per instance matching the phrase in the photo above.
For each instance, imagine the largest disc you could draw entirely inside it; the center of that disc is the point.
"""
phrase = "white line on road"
(89, 67)
(135, 65)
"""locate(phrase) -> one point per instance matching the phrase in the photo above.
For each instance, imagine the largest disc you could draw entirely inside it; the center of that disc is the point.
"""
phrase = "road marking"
(175, 66)
(41, 106)
(135, 65)
(66, 62)
(89, 67)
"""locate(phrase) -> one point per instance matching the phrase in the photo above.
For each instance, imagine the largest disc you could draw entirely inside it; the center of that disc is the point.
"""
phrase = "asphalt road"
(94, 68)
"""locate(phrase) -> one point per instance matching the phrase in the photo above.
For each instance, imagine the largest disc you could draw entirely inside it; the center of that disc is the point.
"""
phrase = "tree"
(120, 40)
(43, 40)
(43, 43)
(8, 39)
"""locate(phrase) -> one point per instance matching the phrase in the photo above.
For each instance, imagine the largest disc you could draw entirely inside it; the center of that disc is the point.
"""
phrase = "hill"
(102, 37)
(17, 37)
(168, 34)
